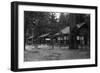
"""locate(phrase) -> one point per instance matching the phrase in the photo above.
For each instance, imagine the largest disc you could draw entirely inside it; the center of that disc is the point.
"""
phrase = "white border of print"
(22, 64)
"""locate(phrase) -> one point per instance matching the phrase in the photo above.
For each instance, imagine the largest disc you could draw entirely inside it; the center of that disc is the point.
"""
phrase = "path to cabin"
(57, 53)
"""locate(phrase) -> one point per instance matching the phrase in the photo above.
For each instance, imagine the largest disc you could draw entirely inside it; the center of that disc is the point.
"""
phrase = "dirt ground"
(56, 53)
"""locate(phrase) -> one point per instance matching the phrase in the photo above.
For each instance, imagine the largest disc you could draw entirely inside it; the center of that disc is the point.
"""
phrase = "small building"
(59, 38)
(74, 39)
(80, 36)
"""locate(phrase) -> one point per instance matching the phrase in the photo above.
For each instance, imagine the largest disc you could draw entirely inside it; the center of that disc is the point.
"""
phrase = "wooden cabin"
(75, 39)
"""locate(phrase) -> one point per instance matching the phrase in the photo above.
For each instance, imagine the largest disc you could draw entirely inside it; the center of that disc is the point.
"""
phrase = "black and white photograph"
(56, 36)
(52, 36)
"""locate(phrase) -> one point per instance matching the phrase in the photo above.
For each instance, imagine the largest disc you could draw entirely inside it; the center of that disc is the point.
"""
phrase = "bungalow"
(74, 39)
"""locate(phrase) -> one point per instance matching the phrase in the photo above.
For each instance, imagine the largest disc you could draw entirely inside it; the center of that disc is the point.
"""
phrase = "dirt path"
(55, 54)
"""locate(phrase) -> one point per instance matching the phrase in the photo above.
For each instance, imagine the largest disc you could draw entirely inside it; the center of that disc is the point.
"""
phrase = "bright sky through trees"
(57, 15)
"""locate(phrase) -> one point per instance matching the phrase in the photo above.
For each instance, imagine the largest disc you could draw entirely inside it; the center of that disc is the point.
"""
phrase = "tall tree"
(34, 22)
(64, 20)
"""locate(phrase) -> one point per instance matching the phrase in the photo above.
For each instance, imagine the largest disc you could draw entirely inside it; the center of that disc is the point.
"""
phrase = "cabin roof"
(44, 35)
